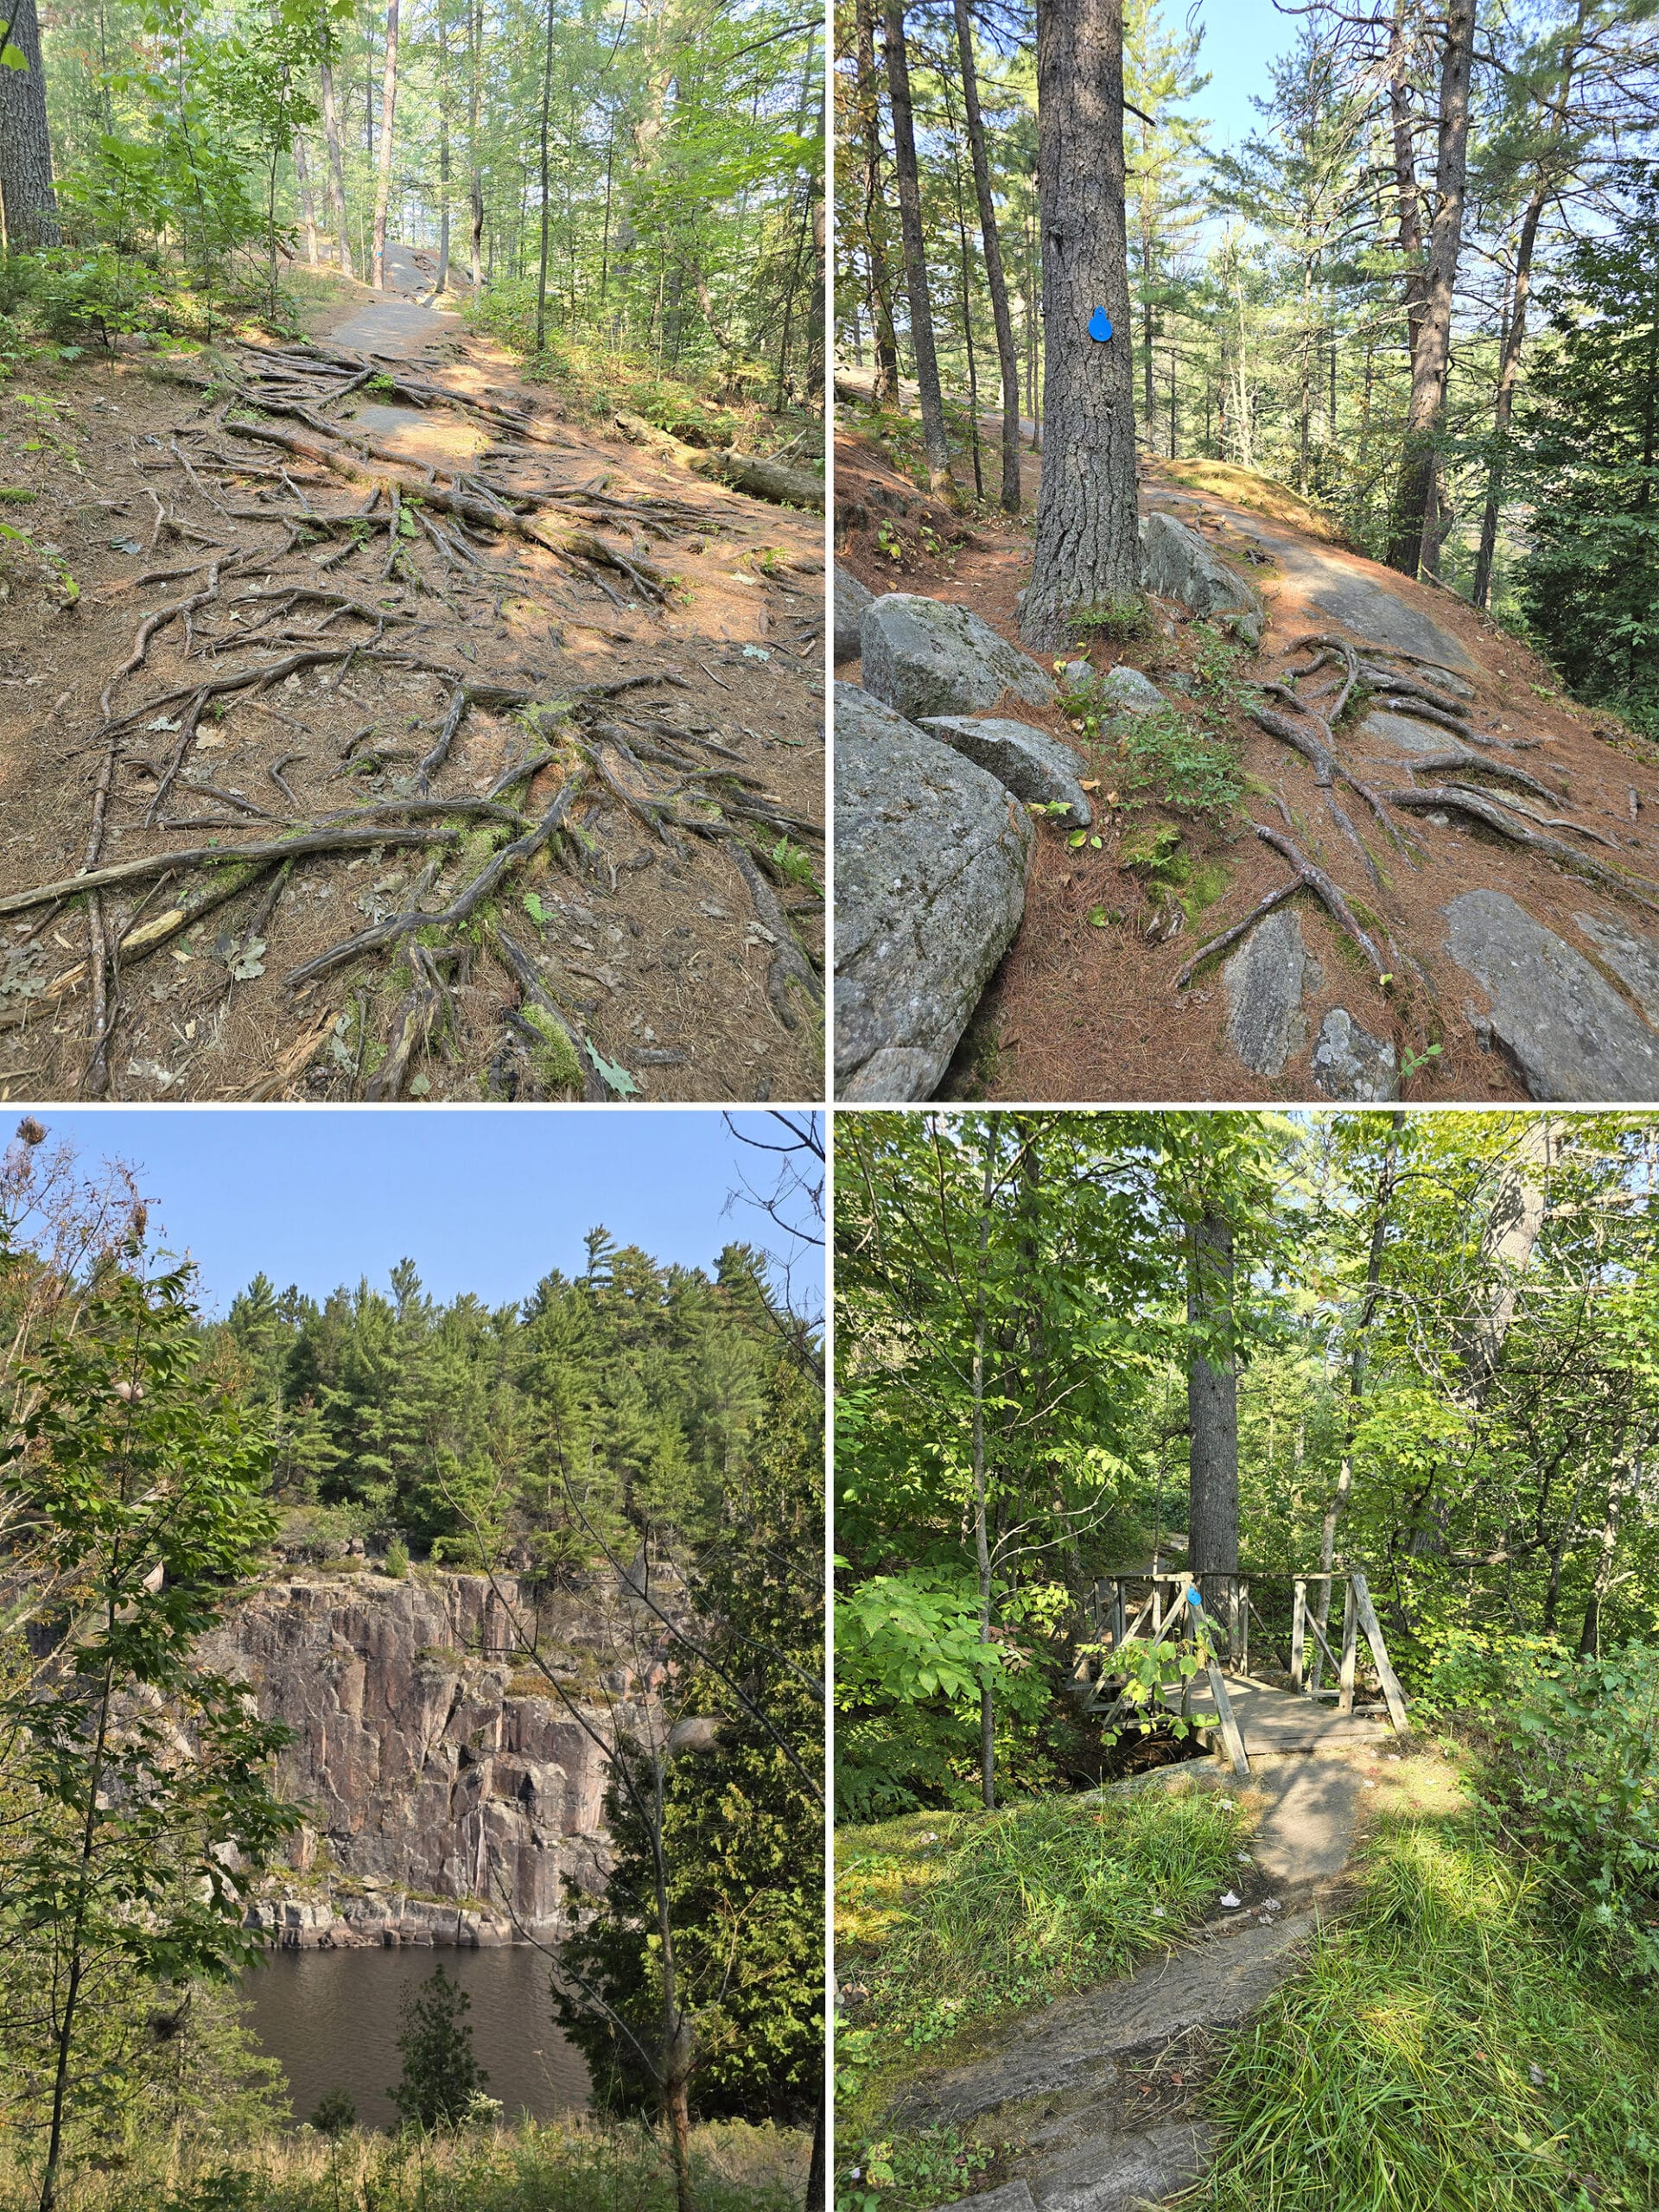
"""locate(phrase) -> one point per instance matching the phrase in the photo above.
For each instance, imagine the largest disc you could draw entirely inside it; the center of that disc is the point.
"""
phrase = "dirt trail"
(1093, 2104)
(557, 702)
(1087, 1012)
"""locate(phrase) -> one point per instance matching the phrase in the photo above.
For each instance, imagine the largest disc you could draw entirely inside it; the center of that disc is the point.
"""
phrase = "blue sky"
(486, 1202)
(1241, 37)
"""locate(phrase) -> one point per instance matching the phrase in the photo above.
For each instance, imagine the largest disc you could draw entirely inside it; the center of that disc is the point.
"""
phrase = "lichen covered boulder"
(931, 859)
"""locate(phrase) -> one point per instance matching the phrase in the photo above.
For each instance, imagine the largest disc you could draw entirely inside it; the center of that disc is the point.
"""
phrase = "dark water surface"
(332, 2018)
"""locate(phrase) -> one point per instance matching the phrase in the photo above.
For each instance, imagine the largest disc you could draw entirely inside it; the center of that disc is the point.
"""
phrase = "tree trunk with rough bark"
(383, 175)
(1212, 1402)
(867, 102)
(1340, 1496)
(939, 479)
(336, 172)
(1415, 538)
(308, 206)
(995, 280)
(1087, 550)
(28, 200)
(1545, 180)
(474, 42)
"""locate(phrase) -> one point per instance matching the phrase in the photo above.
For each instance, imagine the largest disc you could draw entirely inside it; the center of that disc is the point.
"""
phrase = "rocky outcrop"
(1564, 1026)
(850, 600)
(1034, 765)
(930, 860)
(1177, 563)
(446, 1795)
(1264, 978)
(926, 656)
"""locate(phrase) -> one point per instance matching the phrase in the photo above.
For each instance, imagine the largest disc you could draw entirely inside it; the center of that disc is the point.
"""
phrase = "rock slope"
(1494, 931)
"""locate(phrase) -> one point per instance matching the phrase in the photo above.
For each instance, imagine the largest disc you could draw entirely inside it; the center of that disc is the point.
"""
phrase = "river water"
(332, 2018)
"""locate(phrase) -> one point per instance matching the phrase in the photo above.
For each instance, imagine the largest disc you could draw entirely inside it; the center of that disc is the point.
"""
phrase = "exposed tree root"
(274, 848)
(1321, 885)
(1452, 797)
(1240, 928)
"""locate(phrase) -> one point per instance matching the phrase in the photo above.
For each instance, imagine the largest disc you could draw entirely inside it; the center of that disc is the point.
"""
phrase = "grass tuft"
(952, 1922)
(1440, 2054)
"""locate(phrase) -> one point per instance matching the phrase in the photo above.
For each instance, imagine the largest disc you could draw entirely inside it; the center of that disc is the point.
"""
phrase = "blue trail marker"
(1100, 325)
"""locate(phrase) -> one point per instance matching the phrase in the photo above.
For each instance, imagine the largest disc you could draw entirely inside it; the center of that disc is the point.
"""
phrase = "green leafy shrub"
(1166, 759)
(1574, 1780)
(97, 294)
(908, 1665)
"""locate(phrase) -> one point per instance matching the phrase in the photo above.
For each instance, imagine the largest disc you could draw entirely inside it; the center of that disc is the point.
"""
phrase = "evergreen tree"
(1590, 578)
(442, 2078)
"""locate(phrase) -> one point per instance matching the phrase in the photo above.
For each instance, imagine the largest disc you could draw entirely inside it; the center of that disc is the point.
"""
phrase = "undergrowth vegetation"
(1442, 2053)
(579, 2165)
(947, 1923)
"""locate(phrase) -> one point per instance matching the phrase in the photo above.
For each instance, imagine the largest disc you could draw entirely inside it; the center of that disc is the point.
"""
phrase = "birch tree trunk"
(939, 479)
(1086, 550)
(383, 175)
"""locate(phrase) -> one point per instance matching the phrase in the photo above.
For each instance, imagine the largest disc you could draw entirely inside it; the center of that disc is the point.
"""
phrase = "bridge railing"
(1135, 1604)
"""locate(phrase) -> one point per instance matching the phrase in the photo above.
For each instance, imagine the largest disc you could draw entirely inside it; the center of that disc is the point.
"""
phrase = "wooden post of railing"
(1298, 1633)
(1231, 1733)
(1349, 1646)
(1385, 1674)
(1243, 1627)
(1157, 1603)
(1117, 1612)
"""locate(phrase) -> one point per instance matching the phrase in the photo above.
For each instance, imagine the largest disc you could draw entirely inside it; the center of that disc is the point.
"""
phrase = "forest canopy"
(1433, 1336)
(1420, 289)
(647, 179)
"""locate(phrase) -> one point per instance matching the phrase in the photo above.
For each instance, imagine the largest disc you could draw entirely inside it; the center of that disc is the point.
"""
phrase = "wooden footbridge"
(1207, 1619)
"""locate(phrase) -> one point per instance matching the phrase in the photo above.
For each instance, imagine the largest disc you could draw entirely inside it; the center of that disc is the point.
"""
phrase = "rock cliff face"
(445, 1799)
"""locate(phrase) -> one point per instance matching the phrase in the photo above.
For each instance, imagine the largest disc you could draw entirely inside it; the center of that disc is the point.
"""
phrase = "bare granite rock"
(1265, 1021)
(930, 860)
(851, 598)
(1564, 1026)
(1177, 563)
(1034, 765)
(927, 656)
(1350, 1063)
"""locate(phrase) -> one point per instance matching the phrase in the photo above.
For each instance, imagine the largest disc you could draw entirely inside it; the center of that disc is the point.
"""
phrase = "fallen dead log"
(761, 478)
